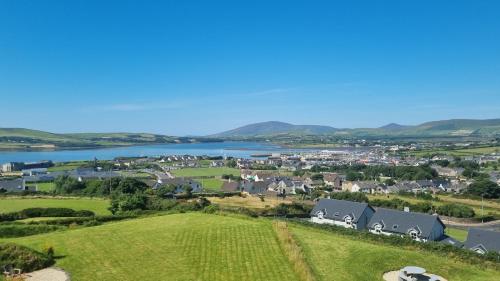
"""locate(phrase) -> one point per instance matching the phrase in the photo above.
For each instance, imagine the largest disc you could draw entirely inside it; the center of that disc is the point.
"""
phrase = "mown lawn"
(211, 184)
(339, 258)
(174, 247)
(205, 172)
(459, 234)
(10, 204)
(45, 186)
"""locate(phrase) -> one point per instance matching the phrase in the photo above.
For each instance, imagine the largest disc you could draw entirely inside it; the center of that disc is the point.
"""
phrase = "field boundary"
(293, 251)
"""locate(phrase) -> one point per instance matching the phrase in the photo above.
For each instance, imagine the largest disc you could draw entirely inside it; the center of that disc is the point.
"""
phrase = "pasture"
(205, 172)
(13, 204)
(179, 247)
(339, 258)
(212, 184)
(44, 186)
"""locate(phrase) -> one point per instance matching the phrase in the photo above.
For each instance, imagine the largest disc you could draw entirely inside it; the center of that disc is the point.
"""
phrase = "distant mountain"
(394, 127)
(453, 127)
(276, 128)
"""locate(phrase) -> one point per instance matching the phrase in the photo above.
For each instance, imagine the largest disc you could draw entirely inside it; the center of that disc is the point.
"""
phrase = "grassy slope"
(99, 206)
(339, 258)
(175, 247)
(202, 172)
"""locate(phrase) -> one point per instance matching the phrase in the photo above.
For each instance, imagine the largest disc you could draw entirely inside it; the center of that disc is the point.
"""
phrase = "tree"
(354, 176)
(486, 188)
(165, 191)
(66, 184)
(187, 189)
(131, 185)
(231, 163)
(389, 182)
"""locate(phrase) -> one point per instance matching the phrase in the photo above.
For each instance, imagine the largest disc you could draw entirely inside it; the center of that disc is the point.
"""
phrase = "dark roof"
(451, 241)
(404, 221)
(489, 240)
(12, 185)
(337, 209)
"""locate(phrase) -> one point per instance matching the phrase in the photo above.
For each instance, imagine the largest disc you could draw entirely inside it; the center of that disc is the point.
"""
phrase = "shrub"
(21, 229)
(24, 258)
(456, 210)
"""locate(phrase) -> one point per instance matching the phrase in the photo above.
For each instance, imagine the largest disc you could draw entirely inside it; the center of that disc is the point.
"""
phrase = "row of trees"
(364, 172)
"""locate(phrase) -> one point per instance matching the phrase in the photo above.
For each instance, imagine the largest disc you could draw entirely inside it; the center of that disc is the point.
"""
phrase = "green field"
(45, 186)
(98, 206)
(339, 258)
(458, 152)
(205, 172)
(211, 184)
(173, 247)
(459, 234)
(196, 246)
(67, 166)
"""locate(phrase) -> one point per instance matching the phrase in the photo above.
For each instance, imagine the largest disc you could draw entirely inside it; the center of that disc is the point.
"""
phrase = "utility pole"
(482, 208)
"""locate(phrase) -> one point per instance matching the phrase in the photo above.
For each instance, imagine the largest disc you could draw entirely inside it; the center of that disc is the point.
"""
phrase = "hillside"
(453, 127)
(275, 128)
(26, 139)
(196, 246)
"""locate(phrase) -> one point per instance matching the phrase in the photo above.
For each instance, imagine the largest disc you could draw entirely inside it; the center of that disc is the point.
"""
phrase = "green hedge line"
(24, 258)
(44, 212)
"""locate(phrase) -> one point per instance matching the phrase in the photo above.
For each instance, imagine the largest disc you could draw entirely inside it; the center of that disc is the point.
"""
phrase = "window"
(413, 234)
(320, 214)
(348, 220)
(378, 228)
(336, 214)
(395, 226)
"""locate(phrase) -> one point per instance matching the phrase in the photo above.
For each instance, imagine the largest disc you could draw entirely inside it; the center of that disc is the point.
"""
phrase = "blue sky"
(200, 67)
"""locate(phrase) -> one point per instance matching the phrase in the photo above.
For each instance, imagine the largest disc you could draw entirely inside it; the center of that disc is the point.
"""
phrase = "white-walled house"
(342, 213)
(420, 227)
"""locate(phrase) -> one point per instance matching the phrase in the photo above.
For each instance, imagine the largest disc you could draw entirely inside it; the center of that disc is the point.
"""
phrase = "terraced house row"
(418, 226)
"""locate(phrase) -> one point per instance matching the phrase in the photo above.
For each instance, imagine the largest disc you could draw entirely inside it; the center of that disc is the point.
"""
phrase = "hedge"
(24, 258)
(44, 212)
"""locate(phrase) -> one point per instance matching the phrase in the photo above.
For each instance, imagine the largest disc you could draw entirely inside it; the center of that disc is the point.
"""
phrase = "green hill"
(19, 139)
(453, 127)
(196, 246)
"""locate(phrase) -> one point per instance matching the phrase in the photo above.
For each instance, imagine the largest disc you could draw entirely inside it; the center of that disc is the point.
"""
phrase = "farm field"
(205, 172)
(458, 152)
(338, 258)
(250, 202)
(13, 204)
(67, 166)
(179, 247)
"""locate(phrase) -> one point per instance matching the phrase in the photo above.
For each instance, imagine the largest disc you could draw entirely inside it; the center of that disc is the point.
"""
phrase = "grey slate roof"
(451, 241)
(338, 209)
(16, 185)
(489, 240)
(404, 221)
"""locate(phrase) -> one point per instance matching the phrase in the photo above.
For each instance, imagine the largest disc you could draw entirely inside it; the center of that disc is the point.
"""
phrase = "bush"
(45, 212)
(21, 229)
(456, 210)
(350, 196)
(24, 258)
